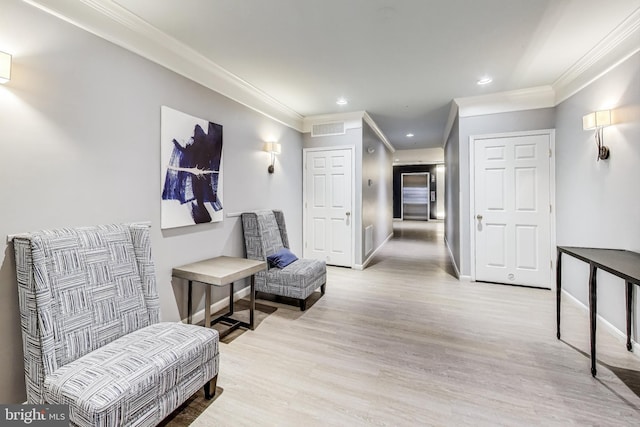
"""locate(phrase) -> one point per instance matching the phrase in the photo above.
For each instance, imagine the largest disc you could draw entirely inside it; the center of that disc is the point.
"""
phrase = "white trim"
(453, 260)
(112, 22)
(352, 148)
(453, 113)
(367, 118)
(503, 102)
(352, 120)
(615, 48)
(464, 278)
(551, 133)
(615, 331)
(218, 305)
(370, 257)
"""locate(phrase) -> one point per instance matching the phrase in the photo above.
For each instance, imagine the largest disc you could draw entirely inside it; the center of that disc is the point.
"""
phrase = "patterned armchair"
(91, 333)
(264, 234)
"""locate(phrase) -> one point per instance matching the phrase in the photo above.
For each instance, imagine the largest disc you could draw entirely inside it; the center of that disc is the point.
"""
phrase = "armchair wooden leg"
(303, 305)
(207, 388)
(323, 289)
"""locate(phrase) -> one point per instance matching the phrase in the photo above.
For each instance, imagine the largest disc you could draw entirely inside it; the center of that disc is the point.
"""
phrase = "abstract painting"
(191, 173)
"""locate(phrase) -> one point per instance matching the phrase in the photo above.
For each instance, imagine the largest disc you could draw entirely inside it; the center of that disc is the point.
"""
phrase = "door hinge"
(550, 153)
(549, 208)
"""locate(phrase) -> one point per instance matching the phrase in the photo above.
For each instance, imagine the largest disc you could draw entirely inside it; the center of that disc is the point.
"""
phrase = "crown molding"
(367, 118)
(504, 102)
(352, 120)
(453, 113)
(112, 22)
(615, 48)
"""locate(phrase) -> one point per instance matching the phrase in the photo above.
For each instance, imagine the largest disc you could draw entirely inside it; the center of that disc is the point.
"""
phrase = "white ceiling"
(403, 61)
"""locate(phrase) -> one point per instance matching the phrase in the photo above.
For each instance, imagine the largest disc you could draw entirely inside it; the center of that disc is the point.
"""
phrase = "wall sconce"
(272, 148)
(5, 67)
(598, 120)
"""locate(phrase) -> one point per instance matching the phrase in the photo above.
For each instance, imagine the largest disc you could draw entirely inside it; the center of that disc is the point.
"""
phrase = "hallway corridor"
(404, 343)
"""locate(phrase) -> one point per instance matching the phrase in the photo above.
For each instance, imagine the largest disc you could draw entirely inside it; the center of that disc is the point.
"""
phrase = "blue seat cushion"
(281, 258)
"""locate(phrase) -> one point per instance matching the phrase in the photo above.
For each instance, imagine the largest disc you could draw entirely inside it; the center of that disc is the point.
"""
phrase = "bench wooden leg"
(207, 388)
(323, 288)
(303, 305)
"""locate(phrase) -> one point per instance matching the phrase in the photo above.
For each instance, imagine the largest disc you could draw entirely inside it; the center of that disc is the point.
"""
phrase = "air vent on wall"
(326, 129)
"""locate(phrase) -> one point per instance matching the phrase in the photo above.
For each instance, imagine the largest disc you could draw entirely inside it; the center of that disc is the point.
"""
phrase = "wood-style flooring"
(404, 343)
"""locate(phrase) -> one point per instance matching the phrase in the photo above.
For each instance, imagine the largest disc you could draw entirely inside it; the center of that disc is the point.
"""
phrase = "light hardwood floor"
(404, 343)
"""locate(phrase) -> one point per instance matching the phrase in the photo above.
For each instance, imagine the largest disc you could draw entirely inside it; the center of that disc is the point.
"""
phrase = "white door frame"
(352, 148)
(552, 194)
(402, 175)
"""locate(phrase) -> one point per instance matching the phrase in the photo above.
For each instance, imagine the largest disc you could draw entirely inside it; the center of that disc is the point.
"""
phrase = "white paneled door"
(512, 220)
(327, 204)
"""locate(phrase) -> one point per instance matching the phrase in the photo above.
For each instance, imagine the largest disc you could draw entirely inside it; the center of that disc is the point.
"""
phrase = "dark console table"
(624, 264)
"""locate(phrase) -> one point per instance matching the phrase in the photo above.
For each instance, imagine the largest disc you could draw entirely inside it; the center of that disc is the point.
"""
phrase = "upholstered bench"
(91, 336)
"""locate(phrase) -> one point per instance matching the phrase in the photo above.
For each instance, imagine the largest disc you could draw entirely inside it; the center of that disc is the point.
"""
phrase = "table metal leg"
(558, 291)
(629, 308)
(252, 305)
(231, 298)
(593, 312)
(207, 306)
(189, 309)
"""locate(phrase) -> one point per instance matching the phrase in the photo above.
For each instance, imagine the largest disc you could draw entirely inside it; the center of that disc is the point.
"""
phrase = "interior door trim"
(355, 210)
(551, 133)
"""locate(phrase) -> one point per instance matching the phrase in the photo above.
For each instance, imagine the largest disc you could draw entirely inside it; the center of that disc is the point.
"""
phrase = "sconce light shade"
(5, 67)
(598, 120)
(272, 148)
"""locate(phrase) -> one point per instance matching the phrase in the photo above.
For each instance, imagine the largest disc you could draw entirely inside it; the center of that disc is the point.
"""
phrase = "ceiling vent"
(326, 129)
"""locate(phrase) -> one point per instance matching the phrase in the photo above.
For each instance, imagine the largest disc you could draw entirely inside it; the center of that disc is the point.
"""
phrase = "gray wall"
(452, 192)
(598, 203)
(80, 130)
(377, 189)
(488, 124)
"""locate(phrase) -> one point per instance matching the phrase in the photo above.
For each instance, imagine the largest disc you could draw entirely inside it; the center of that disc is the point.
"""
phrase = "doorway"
(328, 190)
(512, 234)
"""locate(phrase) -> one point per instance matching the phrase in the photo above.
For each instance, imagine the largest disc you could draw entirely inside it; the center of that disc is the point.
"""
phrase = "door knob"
(348, 213)
(479, 217)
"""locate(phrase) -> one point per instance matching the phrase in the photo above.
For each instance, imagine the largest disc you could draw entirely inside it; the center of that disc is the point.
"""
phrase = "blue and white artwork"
(191, 173)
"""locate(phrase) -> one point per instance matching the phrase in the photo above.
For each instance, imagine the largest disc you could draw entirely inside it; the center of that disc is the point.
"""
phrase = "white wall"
(80, 129)
(598, 203)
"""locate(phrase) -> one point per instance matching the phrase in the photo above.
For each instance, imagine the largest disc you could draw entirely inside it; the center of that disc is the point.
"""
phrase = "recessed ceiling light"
(410, 135)
(342, 101)
(485, 81)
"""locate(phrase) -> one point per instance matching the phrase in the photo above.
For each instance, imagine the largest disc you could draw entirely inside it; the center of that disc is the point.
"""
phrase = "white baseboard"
(218, 305)
(453, 260)
(370, 257)
(606, 324)
(464, 278)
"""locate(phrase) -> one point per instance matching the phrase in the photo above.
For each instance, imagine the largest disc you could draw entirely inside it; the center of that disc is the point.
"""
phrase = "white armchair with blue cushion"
(265, 238)
(91, 332)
